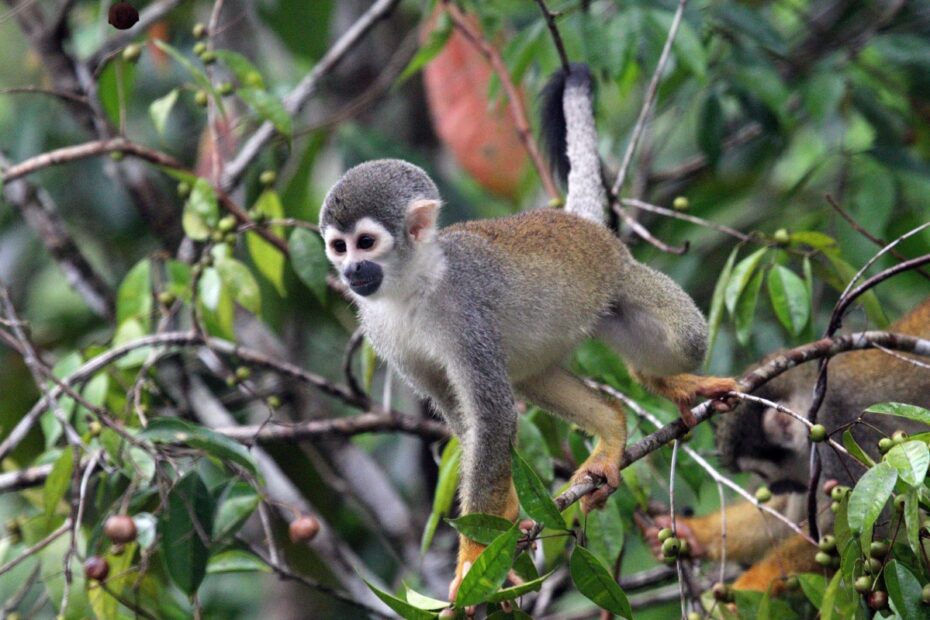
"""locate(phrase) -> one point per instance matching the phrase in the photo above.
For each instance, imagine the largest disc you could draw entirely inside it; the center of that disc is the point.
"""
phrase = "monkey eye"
(365, 242)
(338, 246)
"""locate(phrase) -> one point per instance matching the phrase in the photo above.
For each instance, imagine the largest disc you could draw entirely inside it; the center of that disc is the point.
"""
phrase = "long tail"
(570, 139)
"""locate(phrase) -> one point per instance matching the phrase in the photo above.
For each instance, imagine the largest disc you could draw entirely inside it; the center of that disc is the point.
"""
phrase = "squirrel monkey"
(473, 313)
(776, 446)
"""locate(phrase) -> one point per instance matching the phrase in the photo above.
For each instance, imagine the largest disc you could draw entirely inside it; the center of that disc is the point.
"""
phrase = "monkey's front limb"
(794, 555)
(750, 532)
(565, 395)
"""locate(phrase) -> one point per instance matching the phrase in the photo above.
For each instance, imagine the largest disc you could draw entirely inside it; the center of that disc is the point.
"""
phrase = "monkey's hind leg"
(565, 395)
(684, 388)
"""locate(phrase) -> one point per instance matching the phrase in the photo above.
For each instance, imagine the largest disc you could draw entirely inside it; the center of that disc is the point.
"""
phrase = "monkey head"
(375, 221)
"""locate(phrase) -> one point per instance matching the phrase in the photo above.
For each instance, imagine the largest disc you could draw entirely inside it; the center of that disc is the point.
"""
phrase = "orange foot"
(601, 465)
(469, 551)
(685, 388)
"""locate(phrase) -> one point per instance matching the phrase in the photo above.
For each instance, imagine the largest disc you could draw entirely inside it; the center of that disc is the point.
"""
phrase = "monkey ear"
(421, 219)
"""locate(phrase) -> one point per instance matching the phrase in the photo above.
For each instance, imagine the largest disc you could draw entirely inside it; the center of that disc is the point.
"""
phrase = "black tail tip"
(552, 114)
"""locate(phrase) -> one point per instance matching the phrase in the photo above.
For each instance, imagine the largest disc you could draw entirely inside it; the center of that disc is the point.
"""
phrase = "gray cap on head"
(380, 189)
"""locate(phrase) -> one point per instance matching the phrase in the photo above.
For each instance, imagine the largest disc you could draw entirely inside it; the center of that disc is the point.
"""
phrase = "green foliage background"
(765, 108)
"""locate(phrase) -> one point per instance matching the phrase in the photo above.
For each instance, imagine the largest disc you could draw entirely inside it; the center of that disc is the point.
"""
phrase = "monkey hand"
(682, 530)
(602, 465)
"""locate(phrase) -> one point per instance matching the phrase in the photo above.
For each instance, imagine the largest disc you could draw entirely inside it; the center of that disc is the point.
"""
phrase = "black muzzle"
(364, 277)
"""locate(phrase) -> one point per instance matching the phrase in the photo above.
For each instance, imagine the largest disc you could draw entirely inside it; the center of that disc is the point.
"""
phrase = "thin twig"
(515, 102)
(39, 546)
(645, 206)
(554, 32)
(862, 231)
(651, 92)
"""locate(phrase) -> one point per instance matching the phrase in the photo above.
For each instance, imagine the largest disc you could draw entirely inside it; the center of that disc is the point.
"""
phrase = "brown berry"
(878, 599)
(303, 529)
(122, 15)
(526, 525)
(96, 568)
(120, 529)
(829, 485)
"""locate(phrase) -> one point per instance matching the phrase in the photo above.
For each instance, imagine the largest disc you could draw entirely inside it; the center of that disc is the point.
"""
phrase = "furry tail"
(570, 140)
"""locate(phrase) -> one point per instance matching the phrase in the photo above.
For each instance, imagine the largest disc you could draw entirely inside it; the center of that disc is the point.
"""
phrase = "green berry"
(208, 57)
(268, 177)
(231, 380)
(671, 547)
(94, 428)
(201, 98)
(781, 236)
(839, 493)
(818, 433)
(823, 558)
(273, 401)
(166, 298)
(827, 543)
(681, 203)
(693, 615)
(117, 155)
(132, 52)
(227, 223)
(230, 239)
(184, 189)
(834, 507)
(217, 236)
(863, 584)
(243, 373)
(925, 594)
(872, 566)
(226, 89)
(763, 494)
(898, 437)
(665, 533)
(199, 31)
(200, 48)
(885, 444)
(899, 501)
(878, 549)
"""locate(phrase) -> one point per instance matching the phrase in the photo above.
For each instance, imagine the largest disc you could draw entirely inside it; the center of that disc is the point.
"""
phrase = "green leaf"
(179, 278)
(710, 129)
(911, 459)
(746, 309)
(789, 297)
(489, 570)
(268, 107)
(201, 212)
(183, 549)
(403, 608)
(715, 316)
(128, 331)
(904, 592)
(435, 42)
(912, 520)
(160, 109)
(901, 410)
(593, 580)
(534, 497)
(134, 296)
(422, 601)
(242, 68)
(58, 481)
(210, 288)
(533, 448)
(237, 504)
(236, 561)
(829, 597)
(813, 586)
(870, 495)
(177, 431)
(508, 594)
(855, 450)
(115, 86)
(604, 530)
(481, 528)
(817, 240)
(448, 481)
(309, 261)
(740, 277)
(267, 258)
(241, 284)
(869, 300)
